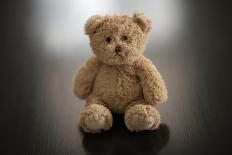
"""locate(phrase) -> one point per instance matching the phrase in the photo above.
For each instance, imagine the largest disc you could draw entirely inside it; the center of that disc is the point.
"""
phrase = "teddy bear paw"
(142, 117)
(95, 123)
(96, 118)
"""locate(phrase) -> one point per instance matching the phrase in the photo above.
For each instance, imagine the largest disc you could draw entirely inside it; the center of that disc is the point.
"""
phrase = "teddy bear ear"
(92, 24)
(143, 21)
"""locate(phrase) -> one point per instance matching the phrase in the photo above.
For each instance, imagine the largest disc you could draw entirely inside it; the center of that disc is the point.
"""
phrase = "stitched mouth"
(119, 54)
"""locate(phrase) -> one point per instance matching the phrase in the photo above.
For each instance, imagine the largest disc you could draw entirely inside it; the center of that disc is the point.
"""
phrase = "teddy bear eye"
(124, 38)
(108, 39)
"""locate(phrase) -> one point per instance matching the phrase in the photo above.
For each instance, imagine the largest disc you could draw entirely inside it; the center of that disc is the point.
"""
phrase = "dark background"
(42, 47)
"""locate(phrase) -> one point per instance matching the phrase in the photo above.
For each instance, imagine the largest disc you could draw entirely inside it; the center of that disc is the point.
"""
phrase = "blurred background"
(43, 45)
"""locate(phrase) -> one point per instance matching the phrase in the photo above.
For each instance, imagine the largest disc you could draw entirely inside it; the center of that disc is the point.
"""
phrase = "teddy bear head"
(118, 39)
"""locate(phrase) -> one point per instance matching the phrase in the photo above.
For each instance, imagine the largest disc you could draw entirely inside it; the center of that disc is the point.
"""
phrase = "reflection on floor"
(120, 140)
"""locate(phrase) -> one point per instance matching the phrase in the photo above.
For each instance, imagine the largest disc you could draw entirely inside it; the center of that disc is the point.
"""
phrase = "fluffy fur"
(119, 78)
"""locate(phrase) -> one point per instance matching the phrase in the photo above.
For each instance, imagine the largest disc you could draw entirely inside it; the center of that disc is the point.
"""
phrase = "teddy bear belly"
(117, 92)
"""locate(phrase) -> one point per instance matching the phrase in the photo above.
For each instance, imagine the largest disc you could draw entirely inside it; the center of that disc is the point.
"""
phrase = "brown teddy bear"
(119, 78)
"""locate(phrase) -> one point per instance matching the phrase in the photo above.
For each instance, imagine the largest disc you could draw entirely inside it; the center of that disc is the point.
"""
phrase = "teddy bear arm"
(154, 89)
(83, 80)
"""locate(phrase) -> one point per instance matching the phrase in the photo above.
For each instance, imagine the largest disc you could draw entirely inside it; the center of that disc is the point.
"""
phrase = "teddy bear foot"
(142, 117)
(95, 118)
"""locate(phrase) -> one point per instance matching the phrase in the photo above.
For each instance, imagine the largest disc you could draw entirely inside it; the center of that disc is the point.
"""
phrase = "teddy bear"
(118, 78)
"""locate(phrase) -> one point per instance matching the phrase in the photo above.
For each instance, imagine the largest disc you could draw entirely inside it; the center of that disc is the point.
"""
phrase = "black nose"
(117, 49)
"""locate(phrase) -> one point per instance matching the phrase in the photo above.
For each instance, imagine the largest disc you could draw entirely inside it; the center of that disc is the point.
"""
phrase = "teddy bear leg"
(141, 117)
(95, 118)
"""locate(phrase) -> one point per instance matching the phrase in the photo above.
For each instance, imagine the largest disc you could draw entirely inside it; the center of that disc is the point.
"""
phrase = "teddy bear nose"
(118, 49)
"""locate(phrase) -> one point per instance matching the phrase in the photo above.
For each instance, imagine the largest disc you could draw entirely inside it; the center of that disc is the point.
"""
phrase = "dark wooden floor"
(42, 45)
